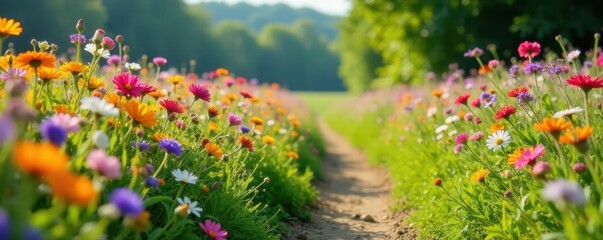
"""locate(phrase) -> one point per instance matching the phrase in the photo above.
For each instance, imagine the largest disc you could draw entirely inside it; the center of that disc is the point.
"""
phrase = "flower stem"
(586, 107)
(163, 163)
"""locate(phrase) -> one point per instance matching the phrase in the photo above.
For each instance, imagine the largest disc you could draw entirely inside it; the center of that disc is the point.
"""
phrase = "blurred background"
(315, 45)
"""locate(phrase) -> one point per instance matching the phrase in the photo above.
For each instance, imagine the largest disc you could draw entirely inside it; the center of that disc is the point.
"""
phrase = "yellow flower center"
(499, 141)
(128, 87)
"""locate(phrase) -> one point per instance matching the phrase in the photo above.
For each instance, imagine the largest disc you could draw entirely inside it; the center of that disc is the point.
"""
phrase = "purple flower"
(113, 60)
(254, 82)
(245, 129)
(234, 120)
(13, 74)
(513, 70)
(488, 98)
(171, 146)
(74, 38)
(533, 68)
(554, 69)
(142, 145)
(476, 52)
(563, 191)
(213, 230)
(159, 61)
(7, 128)
(108, 166)
(524, 98)
(68, 122)
(53, 132)
(127, 201)
(4, 225)
(151, 182)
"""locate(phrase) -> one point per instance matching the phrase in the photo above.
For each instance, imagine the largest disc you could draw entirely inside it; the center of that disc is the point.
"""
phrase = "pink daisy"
(200, 92)
(213, 230)
(529, 156)
(129, 85)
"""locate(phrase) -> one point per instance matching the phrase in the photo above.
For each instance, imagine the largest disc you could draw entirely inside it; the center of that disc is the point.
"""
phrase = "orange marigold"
(72, 188)
(48, 74)
(496, 127)
(61, 108)
(9, 27)
(115, 99)
(40, 159)
(293, 155)
(141, 113)
(553, 126)
(256, 120)
(159, 135)
(157, 94)
(74, 68)
(479, 175)
(222, 71)
(576, 136)
(214, 150)
(32, 60)
(268, 140)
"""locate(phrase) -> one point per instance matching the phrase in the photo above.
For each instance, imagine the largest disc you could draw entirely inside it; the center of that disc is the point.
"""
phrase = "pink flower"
(200, 92)
(541, 168)
(70, 123)
(159, 61)
(129, 85)
(229, 82)
(108, 43)
(462, 138)
(529, 49)
(108, 166)
(234, 120)
(213, 230)
(458, 148)
(529, 156)
(476, 136)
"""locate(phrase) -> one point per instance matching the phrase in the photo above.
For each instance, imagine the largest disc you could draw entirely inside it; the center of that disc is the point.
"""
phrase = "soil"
(353, 199)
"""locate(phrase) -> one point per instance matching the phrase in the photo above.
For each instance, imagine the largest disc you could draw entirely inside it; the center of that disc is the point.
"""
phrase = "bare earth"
(351, 193)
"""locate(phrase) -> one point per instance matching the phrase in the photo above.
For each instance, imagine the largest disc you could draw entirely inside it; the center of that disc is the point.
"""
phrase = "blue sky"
(333, 7)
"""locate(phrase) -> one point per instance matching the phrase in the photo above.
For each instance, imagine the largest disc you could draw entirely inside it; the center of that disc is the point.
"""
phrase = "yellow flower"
(175, 79)
(212, 126)
(437, 93)
(496, 127)
(159, 135)
(141, 113)
(9, 27)
(157, 94)
(4, 61)
(94, 83)
(32, 60)
(268, 140)
(214, 150)
(479, 175)
(222, 71)
(74, 68)
(48, 74)
(257, 121)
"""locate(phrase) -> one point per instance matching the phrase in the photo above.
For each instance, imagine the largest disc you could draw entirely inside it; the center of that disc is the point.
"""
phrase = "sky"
(332, 7)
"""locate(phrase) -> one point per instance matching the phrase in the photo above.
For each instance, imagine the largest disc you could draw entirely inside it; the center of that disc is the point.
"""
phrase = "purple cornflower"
(7, 128)
(127, 201)
(476, 52)
(151, 181)
(74, 38)
(488, 98)
(462, 138)
(524, 98)
(563, 191)
(4, 225)
(245, 129)
(213, 230)
(113, 60)
(234, 120)
(159, 61)
(13, 74)
(142, 145)
(53, 132)
(533, 68)
(554, 69)
(513, 70)
(171, 146)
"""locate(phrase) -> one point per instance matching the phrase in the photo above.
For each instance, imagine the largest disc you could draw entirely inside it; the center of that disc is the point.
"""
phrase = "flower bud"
(597, 36)
(508, 194)
(266, 180)
(80, 26)
(126, 48)
(54, 47)
(540, 169)
(437, 182)
(98, 36)
(182, 210)
(194, 119)
(181, 125)
(558, 38)
(579, 167)
(172, 117)
(108, 43)
(34, 42)
(215, 185)
(139, 132)
(119, 39)
(205, 189)
(506, 174)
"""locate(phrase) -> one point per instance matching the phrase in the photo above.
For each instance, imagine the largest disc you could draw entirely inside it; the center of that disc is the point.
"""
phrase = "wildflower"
(222, 72)
(441, 128)
(13, 74)
(213, 230)
(246, 143)
(533, 68)
(529, 156)
(244, 129)
(585, 82)
(184, 176)
(100, 139)
(452, 119)
(246, 94)
(127, 201)
(541, 168)
(437, 182)
(484, 69)
(515, 155)
(462, 99)
(462, 138)
(476, 136)
(268, 140)
(108, 43)
(142, 145)
(92, 49)
(568, 112)
(171, 146)
(528, 49)
(554, 126)
(5, 224)
(498, 140)
(576, 136)
(171, 106)
(516, 91)
(141, 113)
(476, 52)
(159, 61)
(7, 129)
(293, 155)
(77, 39)
(200, 92)
(9, 27)
(579, 167)
(151, 181)
(158, 94)
(108, 166)
(234, 120)
(32, 60)
(488, 98)
(513, 70)
(175, 79)
(212, 111)
(562, 191)
(437, 93)
(256, 121)
(128, 84)
(524, 98)
(214, 150)
(504, 113)
(479, 175)
(68, 122)
(72, 188)
(132, 66)
(571, 56)
(113, 60)
(457, 148)
(493, 63)
(187, 206)
(496, 127)
(53, 132)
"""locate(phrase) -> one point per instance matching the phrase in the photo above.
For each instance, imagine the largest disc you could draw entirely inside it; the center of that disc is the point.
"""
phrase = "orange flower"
(93, 84)
(39, 159)
(157, 94)
(48, 74)
(9, 27)
(214, 150)
(212, 126)
(222, 71)
(141, 113)
(268, 140)
(159, 135)
(553, 126)
(496, 127)
(213, 111)
(175, 79)
(32, 60)
(294, 133)
(484, 69)
(114, 99)
(74, 68)
(576, 136)
(230, 96)
(61, 108)
(512, 158)
(293, 155)
(479, 175)
(246, 143)
(4, 61)
(437, 93)
(257, 121)
(72, 188)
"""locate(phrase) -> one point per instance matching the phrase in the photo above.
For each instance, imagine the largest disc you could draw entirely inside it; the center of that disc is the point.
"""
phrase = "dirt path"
(351, 193)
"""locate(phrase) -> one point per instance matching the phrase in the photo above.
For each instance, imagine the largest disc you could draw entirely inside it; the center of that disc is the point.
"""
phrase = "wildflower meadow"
(98, 144)
(508, 151)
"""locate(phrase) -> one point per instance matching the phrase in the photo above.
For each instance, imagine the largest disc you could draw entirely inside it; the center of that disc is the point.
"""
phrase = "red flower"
(585, 82)
(462, 99)
(148, 88)
(504, 112)
(200, 92)
(171, 106)
(529, 49)
(476, 103)
(516, 91)
(246, 94)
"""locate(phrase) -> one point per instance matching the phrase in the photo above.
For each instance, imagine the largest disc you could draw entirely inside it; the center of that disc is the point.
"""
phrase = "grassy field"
(322, 102)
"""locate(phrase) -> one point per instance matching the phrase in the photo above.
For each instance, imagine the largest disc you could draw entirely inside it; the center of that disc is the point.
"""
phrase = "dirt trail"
(350, 191)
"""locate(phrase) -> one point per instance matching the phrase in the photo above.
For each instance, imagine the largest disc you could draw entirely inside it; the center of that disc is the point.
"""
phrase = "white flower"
(441, 128)
(189, 206)
(132, 66)
(100, 139)
(566, 112)
(43, 45)
(91, 48)
(440, 137)
(452, 133)
(452, 119)
(571, 56)
(184, 176)
(270, 122)
(498, 140)
(431, 111)
(282, 131)
(99, 106)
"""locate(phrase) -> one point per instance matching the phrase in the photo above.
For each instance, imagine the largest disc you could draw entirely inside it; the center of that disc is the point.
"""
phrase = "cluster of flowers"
(90, 150)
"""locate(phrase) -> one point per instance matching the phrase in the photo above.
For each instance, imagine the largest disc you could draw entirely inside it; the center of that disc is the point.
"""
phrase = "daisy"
(184, 176)
(99, 106)
(452, 119)
(91, 48)
(188, 206)
(9, 27)
(132, 66)
(441, 129)
(568, 112)
(498, 140)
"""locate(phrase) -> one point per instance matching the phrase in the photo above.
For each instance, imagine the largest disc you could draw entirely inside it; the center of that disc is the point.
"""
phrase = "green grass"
(322, 102)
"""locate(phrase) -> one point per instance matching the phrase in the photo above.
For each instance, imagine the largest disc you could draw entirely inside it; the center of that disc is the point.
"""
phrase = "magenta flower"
(458, 148)
(528, 49)
(213, 230)
(108, 166)
(541, 168)
(234, 120)
(113, 60)
(129, 85)
(529, 156)
(108, 43)
(200, 92)
(70, 123)
(462, 138)
(159, 61)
